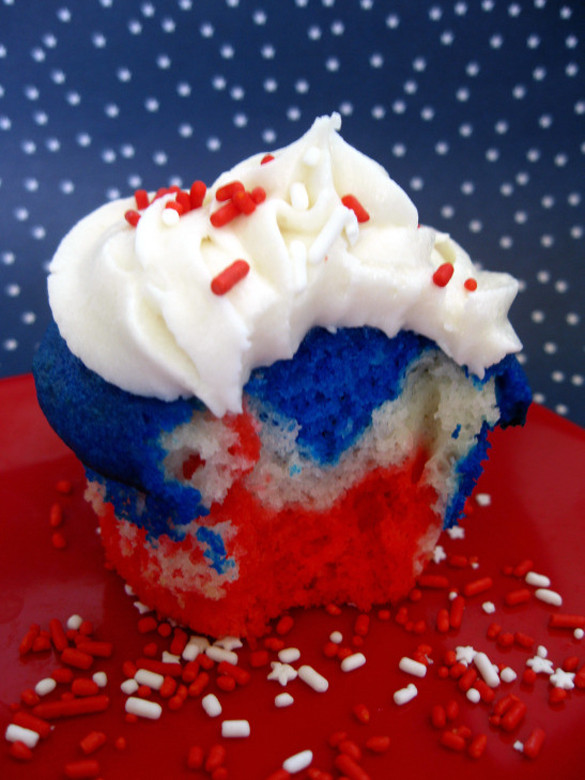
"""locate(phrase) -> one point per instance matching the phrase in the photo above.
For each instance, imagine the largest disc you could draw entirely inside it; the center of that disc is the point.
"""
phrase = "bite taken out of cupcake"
(281, 386)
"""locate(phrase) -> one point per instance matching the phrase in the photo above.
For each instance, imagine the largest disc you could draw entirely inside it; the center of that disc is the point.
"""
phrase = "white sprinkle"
(541, 651)
(218, 654)
(143, 708)
(538, 580)
(508, 675)
(170, 658)
(313, 679)
(229, 643)
(142, 608)
(456, 532)
(439, 553)
(299, 197)
(129, 687)
(473, 695)
(452, 595)
(211, 705)
(486, 668)
(330, 231)
(289, 655)
(235, 728)
(45, 686)
(549, 596)
(352, 662)
(483, 499)
(312, 156)
(74, 622)
(352, 228)
(488, 607)
(410, 666)
(336, 637)
(195, 645)
(152, 679)
(404, 695)
(129, 590)
(578, 633)
(519, 746)
(283, 700)
(16, 733)
(298, 762)
(170, 217)
(100, 679)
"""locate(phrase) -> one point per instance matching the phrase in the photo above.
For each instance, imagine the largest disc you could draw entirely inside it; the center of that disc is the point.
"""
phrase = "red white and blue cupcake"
(281, 387)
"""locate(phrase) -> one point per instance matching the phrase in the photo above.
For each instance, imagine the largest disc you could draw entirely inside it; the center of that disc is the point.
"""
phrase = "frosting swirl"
(137, 305)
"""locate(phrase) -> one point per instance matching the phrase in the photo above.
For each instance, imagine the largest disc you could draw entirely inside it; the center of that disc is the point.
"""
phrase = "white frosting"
(136, 305)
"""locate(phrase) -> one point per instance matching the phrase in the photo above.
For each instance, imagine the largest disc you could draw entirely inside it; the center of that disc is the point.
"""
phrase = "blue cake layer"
(330, 388)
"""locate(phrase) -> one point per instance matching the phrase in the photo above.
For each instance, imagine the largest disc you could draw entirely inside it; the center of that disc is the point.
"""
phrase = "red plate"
(537, 511)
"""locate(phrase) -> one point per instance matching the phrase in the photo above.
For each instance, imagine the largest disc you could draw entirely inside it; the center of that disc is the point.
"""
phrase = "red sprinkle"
(452, 741)
(215, 757)
(92, 742)
(258, 195)
(267, 158)
(180, 639)
(79, 770)
(229, 190)
(20, 751)
(198, 685)
(84, 687)
(351, 202)
(561, 620)
(28, 721)
(475, 587)
(225, 683)
(438, 716)
(456, 611)
(557, 695)
(72, 656)
(58, 540)
(224, 214)
(505, 639)
(470, 285)
(284, 625)
(350, 748)
(141, 198)
(64, 486)
(241, 676)
(28, 639)
(522, 569)
(515, 597)
(147, 624)
(477, 746)
(195, 757)
(533, 744)
(433, 581)
(443, 623)
(443, 274)
(513, 716)
(361, 713)
(96, 649)
(132, 217)
(350, 768)
(362, 625)
(523, 640)
(71, 707)
(457, 561)
(244, 202)
(197, 194)
(230, 276)
(56, 515)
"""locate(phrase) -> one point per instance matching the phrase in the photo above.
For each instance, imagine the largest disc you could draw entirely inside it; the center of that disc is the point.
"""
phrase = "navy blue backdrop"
(476, 108)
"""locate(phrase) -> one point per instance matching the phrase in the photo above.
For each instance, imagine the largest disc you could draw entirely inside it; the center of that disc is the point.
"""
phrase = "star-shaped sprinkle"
(229, 643)
(562, 679)
(456, 532)
(284, 673)
(465, 655)
(439, 554)
(540, 665)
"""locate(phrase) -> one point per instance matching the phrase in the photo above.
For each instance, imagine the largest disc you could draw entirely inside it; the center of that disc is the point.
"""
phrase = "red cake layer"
(367, 548)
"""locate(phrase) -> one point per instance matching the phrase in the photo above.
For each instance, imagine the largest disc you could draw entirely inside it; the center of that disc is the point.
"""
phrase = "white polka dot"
(213, 144)
(392, 21)
(550, 347)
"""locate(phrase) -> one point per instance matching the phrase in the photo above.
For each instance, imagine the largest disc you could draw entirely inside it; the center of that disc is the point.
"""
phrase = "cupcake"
(281, 387)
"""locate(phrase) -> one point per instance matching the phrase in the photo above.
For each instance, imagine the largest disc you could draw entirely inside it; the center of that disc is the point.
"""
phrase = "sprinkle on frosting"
(336, 243)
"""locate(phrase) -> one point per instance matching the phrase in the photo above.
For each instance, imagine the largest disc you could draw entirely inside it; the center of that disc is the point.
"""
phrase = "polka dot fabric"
(476, 108)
